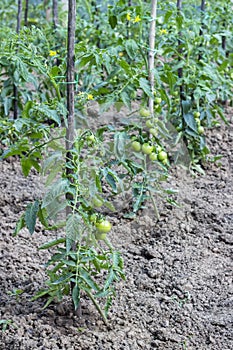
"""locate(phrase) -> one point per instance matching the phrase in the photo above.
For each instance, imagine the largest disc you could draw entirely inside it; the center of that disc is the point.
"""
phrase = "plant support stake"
(70, 79)
(15, 89)
(55, 14)
(151, 54)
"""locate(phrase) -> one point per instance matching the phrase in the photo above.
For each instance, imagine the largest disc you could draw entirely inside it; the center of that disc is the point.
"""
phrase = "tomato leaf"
(31, 215)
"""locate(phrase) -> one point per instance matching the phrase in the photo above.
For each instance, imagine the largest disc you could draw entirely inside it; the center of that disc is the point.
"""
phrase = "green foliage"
(193, 77)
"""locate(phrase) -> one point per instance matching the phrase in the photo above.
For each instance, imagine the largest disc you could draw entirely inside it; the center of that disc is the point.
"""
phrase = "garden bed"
(178, 292)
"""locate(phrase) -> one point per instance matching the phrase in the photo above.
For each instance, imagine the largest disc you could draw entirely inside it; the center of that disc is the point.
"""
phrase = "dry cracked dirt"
(178, 293)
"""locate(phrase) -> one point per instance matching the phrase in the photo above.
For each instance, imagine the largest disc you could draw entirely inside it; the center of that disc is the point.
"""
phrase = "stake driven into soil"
(15, 88)
(70, 97)
(151, 58)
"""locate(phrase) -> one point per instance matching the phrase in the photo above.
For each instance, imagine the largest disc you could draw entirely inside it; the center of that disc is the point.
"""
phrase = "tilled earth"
(178, 294)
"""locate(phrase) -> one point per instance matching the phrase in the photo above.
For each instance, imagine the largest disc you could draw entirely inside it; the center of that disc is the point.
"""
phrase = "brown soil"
(178, 294)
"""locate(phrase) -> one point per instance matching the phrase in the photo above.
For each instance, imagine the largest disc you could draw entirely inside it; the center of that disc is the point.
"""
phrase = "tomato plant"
(176, 100)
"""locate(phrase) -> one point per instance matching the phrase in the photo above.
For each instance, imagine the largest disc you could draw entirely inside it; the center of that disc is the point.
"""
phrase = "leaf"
(42, 216)
(186, 106)
(76, 296)
(102, 293)
(112, 21)
(111, 277)
(48, 112)
(131, 48)
(55, 191)
(56, 169)
(52, 243)
(55, 157)
(109, 205)
(119, 144)
(190, 121)
(19, 225)
(26, 109)
(126, 99)
(115, 259)
(87, 278)
(63, 278)
(26, 165)
(54, 208)
(73, 227)
(31, 215)
(144, 85)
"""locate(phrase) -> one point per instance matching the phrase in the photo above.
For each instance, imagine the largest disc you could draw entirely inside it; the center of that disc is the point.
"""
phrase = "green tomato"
(93, 218)
(149, 124)
(97, 202)
(162, 156)
(175, 93)
(136, 146)
(158, 100)
(147, 148)
(91, 138)
(196, 114)
(153, 156)
(100, 236)
(153, 131)
(144, 112)
(103, 226)
(200, 130)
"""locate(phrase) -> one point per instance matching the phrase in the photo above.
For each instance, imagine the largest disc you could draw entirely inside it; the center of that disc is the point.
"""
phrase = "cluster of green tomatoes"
(150, 147)
(200, 128)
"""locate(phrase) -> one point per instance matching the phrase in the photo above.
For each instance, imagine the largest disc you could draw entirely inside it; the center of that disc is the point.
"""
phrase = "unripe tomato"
(100, 236)
(91, 138)
(200, 130)
(149, 124)
(136, 146)
(153, 131)
(144, 112)
(158, 100)
(153, 156)
(196, 114)
(93, 218)
(162, 156)
(103, 226)
(147, 148)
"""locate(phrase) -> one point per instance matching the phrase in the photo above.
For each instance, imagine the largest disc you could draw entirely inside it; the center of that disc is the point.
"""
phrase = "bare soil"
(178, 293)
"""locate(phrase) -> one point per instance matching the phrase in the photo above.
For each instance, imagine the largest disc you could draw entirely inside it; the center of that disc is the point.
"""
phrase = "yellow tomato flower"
(121, 54)
(90, 97)
(137, 19)
(128, 17)
(163, 31)
(52, 53)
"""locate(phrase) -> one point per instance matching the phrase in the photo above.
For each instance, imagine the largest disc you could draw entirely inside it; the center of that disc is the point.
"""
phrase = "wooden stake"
(151, 54)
